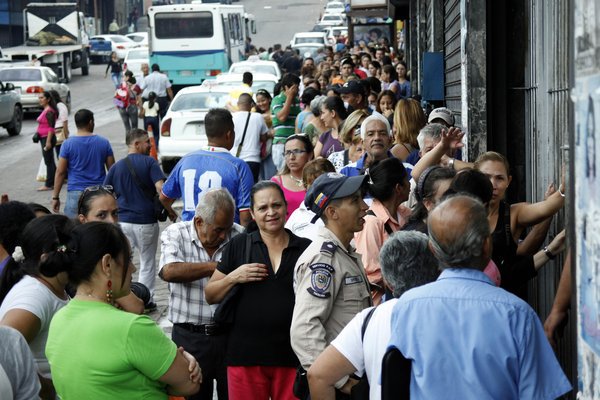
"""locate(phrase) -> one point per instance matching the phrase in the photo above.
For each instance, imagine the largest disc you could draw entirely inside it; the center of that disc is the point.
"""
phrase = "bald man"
(466, 337)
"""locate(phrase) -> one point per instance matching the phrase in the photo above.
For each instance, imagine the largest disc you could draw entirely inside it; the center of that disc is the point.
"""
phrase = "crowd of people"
(328, 234)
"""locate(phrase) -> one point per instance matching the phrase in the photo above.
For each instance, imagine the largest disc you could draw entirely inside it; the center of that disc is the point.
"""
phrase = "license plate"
(186, 73)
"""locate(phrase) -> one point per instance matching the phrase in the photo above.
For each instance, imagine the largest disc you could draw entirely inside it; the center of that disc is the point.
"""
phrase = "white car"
(260, 81)
(256, 66)
(309, 37)
(182, 129)
(308, 50)
(140, 38)
(332, 20)
(333, 32)
(335, 7)
(120, 44)
(31, 81)
(134, 60)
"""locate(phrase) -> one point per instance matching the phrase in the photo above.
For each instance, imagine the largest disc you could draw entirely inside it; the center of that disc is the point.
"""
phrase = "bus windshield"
(189, 25)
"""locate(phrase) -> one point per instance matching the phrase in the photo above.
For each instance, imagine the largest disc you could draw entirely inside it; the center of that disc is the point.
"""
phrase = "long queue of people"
(272, 282)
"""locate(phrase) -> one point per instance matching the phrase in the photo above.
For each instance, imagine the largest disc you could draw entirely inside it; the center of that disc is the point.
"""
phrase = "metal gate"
(452, 58)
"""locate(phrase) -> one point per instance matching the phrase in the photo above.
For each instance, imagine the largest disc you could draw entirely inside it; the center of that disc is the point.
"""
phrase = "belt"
(206, 329)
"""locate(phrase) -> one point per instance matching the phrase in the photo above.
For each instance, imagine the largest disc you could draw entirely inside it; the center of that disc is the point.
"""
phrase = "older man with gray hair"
(190, 251)
(406, 262)
(466, 337)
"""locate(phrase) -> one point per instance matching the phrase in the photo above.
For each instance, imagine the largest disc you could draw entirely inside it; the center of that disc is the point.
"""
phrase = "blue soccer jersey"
(210, 168)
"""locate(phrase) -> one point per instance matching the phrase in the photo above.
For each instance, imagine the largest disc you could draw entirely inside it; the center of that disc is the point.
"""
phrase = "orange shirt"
(368, 242)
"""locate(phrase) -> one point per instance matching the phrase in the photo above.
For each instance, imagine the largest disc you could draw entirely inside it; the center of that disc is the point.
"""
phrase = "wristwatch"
(548, 253)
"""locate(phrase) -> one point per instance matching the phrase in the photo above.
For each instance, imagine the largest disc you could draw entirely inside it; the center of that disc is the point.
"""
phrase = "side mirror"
(9, 86)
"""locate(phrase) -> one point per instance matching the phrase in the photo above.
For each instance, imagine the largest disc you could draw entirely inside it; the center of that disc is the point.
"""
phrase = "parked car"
(335, 32)
(256, 66)
(119, 44)
(134, 60)
(182, 129)
(11, 109)
(140, 38)
(32, 81)
(308, 49)
(260, 81)
(309, 37)
(100, 50)
(335, 7)
(332, 20)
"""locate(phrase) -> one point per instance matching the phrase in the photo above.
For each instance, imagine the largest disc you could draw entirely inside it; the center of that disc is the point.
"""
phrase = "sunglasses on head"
(108, 189)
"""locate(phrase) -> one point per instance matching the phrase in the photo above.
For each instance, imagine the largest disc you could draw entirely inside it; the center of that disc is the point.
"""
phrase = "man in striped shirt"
(190, 251)
(285, 107)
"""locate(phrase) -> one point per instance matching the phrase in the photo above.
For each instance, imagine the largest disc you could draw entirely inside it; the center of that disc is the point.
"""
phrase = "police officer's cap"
(330, 186)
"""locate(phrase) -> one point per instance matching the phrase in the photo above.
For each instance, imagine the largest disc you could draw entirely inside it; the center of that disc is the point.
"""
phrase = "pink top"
(293, 198)
(44, 128)
(368, 242)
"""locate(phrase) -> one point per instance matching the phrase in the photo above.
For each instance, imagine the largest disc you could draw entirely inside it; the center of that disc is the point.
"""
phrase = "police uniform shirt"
(331, 288)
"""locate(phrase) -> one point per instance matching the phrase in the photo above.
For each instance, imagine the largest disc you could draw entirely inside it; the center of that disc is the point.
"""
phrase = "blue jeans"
(72, 203)
(116, 79)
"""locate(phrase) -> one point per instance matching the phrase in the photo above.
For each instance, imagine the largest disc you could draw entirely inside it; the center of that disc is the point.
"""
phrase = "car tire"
(168, 164)
(14, 126)
(85, 67)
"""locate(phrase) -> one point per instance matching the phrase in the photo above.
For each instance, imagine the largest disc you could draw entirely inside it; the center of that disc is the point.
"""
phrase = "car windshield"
(136, 38)
(20, 75)
(269, 86)
(307, 51)
(203, 101)
(259, 69)
(331, 18)
(332, 6)
(301, 40)
(137, 54)
(118, 39)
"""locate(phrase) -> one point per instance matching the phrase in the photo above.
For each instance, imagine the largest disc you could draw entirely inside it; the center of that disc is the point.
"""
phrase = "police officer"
(329, 278)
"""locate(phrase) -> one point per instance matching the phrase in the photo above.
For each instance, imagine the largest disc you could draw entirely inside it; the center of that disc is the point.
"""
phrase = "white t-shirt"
(367, 356)
(31, 295)
(18, 375)
(256, 127)
(63, 115)
(300, 225)
(151, 112)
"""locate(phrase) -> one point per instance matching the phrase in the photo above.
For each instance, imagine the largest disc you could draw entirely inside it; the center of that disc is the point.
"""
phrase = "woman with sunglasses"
(45, 132)
(33, 287)
(298, 150)
(351, 139)
(97, 351)
(99, 204)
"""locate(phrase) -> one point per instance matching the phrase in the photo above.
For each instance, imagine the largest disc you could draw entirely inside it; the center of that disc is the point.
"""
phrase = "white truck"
(55, 34)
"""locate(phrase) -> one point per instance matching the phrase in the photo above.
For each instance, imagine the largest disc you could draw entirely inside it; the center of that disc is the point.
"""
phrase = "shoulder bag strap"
(136, 179)
(507, 230)
(239, 149)
(388, 229)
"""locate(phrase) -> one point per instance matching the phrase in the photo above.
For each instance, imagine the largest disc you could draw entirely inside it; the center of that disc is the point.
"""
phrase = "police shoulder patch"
(328, 248)
(320, 280)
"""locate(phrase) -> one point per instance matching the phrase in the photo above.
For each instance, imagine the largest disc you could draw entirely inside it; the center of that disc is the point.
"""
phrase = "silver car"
(31, 81)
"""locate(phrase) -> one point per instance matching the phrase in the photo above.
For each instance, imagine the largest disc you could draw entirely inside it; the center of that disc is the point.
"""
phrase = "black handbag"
(160, 211)
(225, 312)
(35, 137)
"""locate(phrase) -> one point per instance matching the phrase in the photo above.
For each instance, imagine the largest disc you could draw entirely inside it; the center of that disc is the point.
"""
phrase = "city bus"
(194, 42)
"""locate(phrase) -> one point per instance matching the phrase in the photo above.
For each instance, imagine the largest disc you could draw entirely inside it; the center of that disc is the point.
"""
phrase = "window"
(184, 25)
(20, 75)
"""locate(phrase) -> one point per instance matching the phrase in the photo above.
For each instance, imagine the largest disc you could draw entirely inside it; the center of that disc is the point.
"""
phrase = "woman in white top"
(33, 287)
(61, 126)
(149, 112)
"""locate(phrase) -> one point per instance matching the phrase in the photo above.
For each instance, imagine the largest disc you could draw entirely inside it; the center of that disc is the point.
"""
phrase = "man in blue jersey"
(211, 167)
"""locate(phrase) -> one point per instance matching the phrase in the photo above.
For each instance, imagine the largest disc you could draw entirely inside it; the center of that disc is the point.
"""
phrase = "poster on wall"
(372, 33)
(587, 197)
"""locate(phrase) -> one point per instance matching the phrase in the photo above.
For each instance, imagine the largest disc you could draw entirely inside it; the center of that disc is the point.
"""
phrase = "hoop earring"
(109, 292)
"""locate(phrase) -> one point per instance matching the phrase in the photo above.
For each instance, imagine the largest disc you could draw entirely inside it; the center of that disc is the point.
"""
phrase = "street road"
(20, 157)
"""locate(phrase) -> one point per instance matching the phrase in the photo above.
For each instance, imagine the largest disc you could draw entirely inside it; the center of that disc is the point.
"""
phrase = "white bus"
(194, 42)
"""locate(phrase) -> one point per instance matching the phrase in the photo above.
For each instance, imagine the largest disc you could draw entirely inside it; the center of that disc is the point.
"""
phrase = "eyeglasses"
(295, 152)
(92, 189)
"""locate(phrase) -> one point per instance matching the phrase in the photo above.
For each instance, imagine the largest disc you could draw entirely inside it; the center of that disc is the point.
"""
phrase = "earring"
(109, 292)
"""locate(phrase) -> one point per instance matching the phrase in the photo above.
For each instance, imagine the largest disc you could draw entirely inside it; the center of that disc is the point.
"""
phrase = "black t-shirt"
(261, 330)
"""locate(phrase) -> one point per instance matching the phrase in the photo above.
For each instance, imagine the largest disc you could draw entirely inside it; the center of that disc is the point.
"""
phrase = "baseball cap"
(330, 186)
(443, 113)
(352, 87)
(347, 60)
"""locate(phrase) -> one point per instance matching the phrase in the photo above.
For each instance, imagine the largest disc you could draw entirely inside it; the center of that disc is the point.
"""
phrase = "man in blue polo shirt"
(466, 337)
(211, 167)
